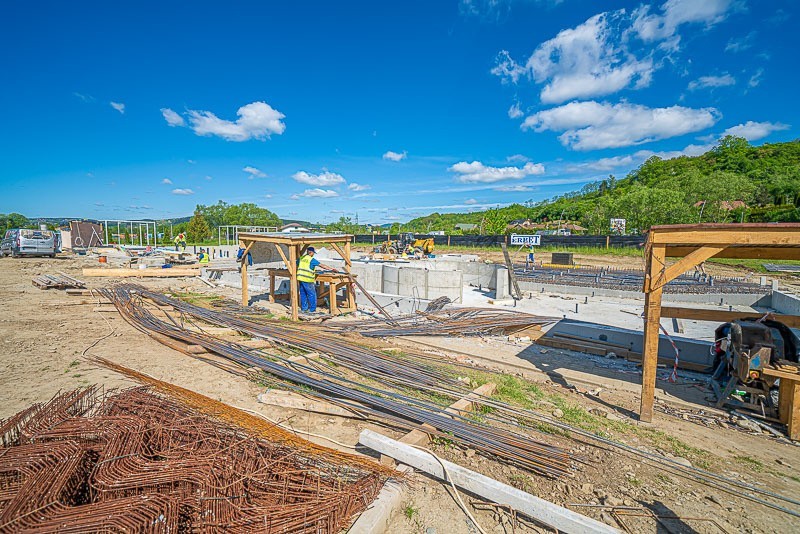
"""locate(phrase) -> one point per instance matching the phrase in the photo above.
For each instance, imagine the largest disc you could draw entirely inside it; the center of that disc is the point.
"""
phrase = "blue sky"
(390, 110)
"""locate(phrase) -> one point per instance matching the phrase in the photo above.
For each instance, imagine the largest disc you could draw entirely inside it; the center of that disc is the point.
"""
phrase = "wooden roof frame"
(297, 244)
(694, 244)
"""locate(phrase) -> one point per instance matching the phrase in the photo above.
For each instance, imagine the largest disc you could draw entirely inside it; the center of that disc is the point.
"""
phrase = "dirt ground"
(45, 334)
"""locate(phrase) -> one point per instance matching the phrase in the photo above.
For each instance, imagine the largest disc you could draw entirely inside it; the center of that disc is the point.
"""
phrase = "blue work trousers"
(308, 296)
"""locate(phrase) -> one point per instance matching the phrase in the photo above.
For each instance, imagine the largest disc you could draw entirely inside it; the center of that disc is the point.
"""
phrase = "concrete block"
(413, 282)
(391, 280)
(445, 284)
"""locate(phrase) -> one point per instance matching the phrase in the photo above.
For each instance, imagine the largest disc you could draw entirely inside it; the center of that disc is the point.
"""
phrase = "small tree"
(198, 228)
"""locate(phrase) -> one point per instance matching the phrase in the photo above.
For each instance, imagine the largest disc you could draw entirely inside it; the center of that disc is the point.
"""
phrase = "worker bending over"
(180, 242)
(307, 277)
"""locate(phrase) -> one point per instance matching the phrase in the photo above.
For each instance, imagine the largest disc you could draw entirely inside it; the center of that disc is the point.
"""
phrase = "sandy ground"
(45, 333)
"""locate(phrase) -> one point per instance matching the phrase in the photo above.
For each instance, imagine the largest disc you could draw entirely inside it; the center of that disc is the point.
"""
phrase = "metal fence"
(604, 241)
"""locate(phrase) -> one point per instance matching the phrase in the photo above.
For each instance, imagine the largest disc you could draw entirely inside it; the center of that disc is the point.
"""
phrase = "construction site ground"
(46, 333)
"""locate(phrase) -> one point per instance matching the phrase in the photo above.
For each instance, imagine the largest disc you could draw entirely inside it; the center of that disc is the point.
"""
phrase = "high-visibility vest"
(304, 271)
(204, 257)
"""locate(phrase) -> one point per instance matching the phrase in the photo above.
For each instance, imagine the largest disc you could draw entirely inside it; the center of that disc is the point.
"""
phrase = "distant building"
(294, 228)
(727, 205)
(436, 232)
(465, 227)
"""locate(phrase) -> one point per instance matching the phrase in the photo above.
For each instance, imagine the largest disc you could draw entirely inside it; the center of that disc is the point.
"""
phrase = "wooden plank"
(694, 258)
(245, 289)
(543, 511)
(511, 275)
(730, 234)
(293, 289)
(724, 316)
(139, 273)
(421, 436)
(652, 319)
(742, 252)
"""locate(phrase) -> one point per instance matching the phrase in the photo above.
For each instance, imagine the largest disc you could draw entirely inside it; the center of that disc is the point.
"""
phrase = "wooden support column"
(654, 274)
(245, 295)
(293, 289)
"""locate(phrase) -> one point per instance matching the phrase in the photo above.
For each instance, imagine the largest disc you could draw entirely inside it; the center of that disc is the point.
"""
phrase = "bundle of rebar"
(451, 322)
(400, 410)
(138, 462)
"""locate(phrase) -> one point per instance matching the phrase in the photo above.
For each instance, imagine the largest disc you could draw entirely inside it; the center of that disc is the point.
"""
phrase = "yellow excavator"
(406, 243)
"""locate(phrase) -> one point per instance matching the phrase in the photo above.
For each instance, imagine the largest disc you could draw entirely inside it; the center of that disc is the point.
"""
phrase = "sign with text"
(517, 239)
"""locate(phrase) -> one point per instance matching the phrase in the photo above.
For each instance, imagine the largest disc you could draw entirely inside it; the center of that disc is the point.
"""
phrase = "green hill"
(734, 181)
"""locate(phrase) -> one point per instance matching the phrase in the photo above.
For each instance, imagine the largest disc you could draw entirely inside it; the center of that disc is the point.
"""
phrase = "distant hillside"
(734, 181)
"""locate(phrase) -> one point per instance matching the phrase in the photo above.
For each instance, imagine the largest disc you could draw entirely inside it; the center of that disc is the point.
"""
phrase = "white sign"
(517, 239)
(618, 226)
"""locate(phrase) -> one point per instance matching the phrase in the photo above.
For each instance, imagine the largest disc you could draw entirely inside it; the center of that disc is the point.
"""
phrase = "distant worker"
(203, 257)
(307, 277)
(240, 254)
(180, 242)
(531, 258)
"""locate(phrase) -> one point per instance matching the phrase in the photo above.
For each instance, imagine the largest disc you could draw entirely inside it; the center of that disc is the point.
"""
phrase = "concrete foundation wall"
(725, 299)
(785, 303)
(690, 350)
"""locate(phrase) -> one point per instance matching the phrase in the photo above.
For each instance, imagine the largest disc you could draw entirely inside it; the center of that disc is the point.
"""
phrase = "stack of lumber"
(59, 281)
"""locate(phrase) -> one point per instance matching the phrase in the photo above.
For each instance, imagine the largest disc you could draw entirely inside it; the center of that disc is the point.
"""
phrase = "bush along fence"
(603, 241)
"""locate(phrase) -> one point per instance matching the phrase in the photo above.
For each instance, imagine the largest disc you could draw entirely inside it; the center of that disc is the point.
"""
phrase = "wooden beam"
(293, 289)
(729, 234)
(543, 511)
(652, 319)
(741, 252)
(723, 316)
(285, 259)
(245, 293)
(691, 260)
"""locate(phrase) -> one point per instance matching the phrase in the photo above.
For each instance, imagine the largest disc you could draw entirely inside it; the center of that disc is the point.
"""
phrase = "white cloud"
(478, 172)
(604, 164)
(663, 26)
(190, 161)
(316, 193)
(592, 125)
(514, 112)
(119, 106)
(601, 56)
(395, 156)
(166, 181)
(517, 158)
(254, 172)
(358, 187)
(324, 179)
(739, 44)
(267, 196)
(753, 131)
(173, 119)
(257, 120)
(209, 178)
(470, 201)
(514, 188)
(182, 192)
(755, 79)
(85, 98)
(711, 81)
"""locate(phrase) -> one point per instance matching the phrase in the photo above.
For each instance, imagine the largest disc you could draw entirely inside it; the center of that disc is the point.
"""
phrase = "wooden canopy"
(297, 244)
(694, 244)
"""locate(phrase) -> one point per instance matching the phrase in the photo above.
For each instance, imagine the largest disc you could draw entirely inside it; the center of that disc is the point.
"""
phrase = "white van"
(26, 242)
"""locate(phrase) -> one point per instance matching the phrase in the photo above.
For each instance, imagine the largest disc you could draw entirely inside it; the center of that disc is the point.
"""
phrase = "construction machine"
(406, 243)
(742, 350)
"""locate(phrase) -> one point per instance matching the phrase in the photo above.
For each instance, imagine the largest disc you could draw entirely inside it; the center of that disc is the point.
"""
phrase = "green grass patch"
(197, 299)
(750, 463)
(410, 511)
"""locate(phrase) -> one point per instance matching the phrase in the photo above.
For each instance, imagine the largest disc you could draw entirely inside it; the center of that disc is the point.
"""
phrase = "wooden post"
(654, 271)
(245, 296)
(272, 286)
(293, 289)
(347, 262)
(608, 241)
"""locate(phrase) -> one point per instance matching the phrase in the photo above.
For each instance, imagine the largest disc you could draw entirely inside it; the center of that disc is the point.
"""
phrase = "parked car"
(27, 242)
